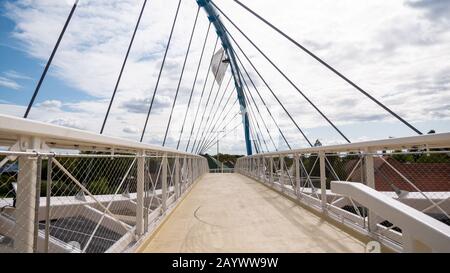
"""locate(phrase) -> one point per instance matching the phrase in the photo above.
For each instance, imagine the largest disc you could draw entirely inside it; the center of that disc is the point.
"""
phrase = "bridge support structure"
(227, 46)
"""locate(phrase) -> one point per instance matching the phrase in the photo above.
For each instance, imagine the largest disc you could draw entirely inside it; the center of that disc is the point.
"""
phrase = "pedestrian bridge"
(234, 213)
(69, 190)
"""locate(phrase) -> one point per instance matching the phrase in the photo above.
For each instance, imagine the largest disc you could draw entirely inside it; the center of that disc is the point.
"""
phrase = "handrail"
(61, 137)
(28, 145)
(416, 226)
(441, 140)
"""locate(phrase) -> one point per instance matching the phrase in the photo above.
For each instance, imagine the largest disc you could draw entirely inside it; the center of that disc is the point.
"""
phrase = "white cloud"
(131, 130)
(9, 83)
(50, 104)
(137, 105)
(72, 123)
(16, 75)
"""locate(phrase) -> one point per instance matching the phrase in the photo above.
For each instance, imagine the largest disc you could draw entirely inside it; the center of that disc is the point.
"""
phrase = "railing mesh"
(419, 178)
(85, 202)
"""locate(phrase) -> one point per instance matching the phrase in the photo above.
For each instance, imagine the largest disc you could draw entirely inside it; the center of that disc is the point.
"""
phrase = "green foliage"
(288, 161)
(100, 186)
(404, 158)
(60, 188)
(227, 158)
(5, 186)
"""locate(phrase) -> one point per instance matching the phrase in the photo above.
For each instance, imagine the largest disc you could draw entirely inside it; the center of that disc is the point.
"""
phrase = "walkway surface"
(233, 213)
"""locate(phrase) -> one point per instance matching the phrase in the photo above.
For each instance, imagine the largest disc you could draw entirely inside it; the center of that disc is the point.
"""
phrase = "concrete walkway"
(233, 213)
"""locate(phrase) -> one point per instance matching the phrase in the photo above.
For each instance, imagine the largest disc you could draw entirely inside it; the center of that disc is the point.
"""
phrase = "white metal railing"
(420, 232)
(67, 190)
(412, 170)
(222, 170)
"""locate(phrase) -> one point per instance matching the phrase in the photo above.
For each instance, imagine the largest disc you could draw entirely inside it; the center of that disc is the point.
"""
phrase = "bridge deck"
(232, 213)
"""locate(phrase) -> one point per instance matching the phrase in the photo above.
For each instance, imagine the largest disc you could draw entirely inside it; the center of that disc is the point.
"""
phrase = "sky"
(398, 51)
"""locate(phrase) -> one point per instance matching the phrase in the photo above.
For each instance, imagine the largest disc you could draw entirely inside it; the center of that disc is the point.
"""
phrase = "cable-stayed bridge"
(69, 190)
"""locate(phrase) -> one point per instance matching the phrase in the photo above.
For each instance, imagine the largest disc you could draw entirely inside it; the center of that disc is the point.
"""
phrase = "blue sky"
(25, 71)
(13, 59)
(395, 50)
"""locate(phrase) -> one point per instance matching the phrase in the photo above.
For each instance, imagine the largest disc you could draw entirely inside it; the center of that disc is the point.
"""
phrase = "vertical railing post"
(164, 183)
(247, 166)
(185, 174)
(191, 175)
(370, 182)
(297, 174)
(140, 193)
(254, 167)
(264, 170)
(258, 168)
(177, 177)
(202, 166)
(323, 180)
(48, 203)
(271, 170)
(37, 204)
(281, 175)
(198, 167)
(195, 168)
(26, 196)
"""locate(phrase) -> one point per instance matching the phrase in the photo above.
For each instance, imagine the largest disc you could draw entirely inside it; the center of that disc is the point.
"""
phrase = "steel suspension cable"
(271, 91)
(255, 140)
(222, 129)
(257, 109)
(181, 76)
(220, 102)
(161, 70)
(234, 128)
(49, 62)
(264, 103)
(201, 96)
(224, 116)
(328, 66)
(228, 112)
(193, 85)
(123, 67)
(255, 120)
(220, 114)
(284, 75)
(215, 112)
(210, 110)
(206, 105)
